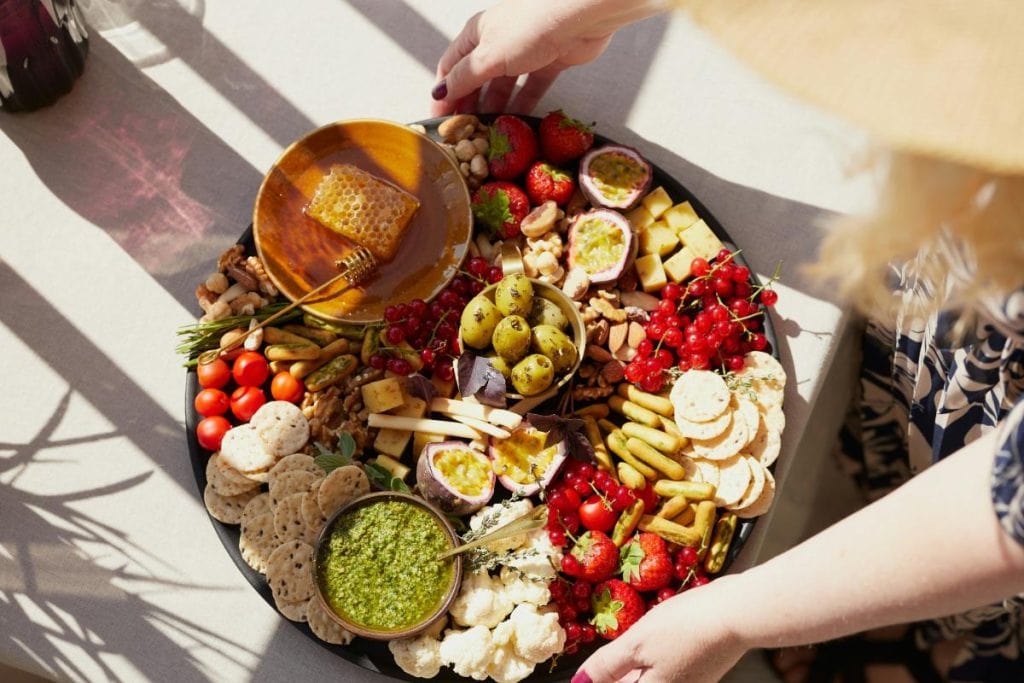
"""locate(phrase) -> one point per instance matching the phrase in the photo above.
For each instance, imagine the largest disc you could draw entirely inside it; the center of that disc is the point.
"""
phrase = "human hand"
(538, 38)
(684, 638)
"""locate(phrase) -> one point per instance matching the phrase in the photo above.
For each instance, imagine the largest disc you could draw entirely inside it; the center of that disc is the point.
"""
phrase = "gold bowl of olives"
(530, 331)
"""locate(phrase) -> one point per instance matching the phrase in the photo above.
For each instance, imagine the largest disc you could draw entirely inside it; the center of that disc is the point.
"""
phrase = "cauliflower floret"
(538, 558)
(520, 589)
(503, 513)
(481, 602)
(508, 667)
(468, 652)
(420, 656)
(538, 635)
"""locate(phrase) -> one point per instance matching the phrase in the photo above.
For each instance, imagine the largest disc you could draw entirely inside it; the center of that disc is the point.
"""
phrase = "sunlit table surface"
(116, 201)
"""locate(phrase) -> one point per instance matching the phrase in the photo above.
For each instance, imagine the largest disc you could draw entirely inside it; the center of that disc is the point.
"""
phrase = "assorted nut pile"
(239, 287)
(465, 137)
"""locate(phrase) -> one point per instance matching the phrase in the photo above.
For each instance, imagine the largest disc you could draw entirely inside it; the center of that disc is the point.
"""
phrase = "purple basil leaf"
(479, 378)
(569, 429)
(421, 387)
(580, 447)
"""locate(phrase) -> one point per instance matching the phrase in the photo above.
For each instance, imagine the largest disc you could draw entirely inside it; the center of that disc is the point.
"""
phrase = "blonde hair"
(952, 235)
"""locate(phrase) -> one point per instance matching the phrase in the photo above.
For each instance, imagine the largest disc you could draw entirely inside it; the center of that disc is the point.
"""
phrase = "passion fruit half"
(522, 463)
(454, 477)
(614, 176)
(601, 243)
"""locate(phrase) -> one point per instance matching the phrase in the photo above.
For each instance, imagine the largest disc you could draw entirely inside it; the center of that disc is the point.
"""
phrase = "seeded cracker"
(243, 449)
(292, 463)
(288, 522)
(731, 442)
(290, 483)
(290, 571)
(704, 430)
(733, 480)
(763, 502)
(227, 509)
(325, 628)
(707, 471)
(766, 445)
(756, 483)
(258, 541)
(282, 427)
(225, 480)
(295, 611)
(311, 514)
(699, 396)
(746, 410)
(259, 505)
(341, 486)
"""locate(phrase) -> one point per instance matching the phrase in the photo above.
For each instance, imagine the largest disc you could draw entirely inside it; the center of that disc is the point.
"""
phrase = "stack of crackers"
(280, 523)
(734, 425)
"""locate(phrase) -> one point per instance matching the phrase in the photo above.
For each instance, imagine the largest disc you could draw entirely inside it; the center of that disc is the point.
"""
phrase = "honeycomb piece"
(369, 211)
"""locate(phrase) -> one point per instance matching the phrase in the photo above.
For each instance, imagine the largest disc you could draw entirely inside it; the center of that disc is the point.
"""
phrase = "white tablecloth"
(116, 202)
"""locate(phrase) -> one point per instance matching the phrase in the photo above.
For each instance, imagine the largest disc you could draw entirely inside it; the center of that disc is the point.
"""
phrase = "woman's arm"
(541, 38)
(931, 548)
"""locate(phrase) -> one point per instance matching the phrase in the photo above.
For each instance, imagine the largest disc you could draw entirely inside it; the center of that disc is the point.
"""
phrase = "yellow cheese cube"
(659, 239)
(651, 272)
(680, 216)
(382, 395)
(397, 469)
(394, 441)
(657, 202)
(421, 439)
(639, 218)
(677, 267)
(699, 238)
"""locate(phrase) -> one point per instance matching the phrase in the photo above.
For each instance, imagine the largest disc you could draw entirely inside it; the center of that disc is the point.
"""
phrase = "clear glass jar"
(43, 45)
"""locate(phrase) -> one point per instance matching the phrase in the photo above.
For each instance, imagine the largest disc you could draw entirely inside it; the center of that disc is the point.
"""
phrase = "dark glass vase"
(43, 45)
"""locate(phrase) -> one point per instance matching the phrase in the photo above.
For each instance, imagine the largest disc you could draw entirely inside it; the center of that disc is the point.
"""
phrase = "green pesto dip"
(378, 569)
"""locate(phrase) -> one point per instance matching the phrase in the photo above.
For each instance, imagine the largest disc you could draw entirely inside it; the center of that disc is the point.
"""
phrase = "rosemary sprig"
(203, 336)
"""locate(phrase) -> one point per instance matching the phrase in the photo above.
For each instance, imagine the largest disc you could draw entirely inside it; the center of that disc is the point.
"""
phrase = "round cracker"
(324, 627)
(691, 468)
(733, 480)
(341, 486)
(775, 419)
(756, 483)
(226, 480)
(765, 377)
(766, 445)
(289, 523)
(763, 502)
(242, 449)
(258, 540)
(747, 411)
(722, 447)
(227, 509)
(699, 396)
(259, 505)
(290, 483)
(707, 471)
(293, 463)
(295, 611)
(311, 513)
(281, 426)
(290, 571)
(704, 430)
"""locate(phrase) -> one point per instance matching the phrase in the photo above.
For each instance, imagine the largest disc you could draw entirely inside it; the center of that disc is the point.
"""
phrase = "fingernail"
(440, 90)
(581, 677)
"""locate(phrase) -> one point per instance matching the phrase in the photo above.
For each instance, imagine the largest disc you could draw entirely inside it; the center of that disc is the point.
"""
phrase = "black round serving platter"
(374, 656)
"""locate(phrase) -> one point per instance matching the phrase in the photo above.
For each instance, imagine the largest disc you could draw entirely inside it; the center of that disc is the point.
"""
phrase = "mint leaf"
(383, 479)
(329, 460)
(347, 445)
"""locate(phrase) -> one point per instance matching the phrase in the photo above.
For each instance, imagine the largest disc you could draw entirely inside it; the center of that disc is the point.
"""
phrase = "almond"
(617, 337)
(636, 334)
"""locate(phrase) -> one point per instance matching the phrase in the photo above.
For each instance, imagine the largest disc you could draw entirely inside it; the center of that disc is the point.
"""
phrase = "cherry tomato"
(213, 375)
(211, 430)
(284, 387)
(210, 402)
(595, 516)
(250, 369)
(245, 401)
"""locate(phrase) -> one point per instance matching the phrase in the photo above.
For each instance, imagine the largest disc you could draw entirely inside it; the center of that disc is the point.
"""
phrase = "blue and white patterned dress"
(923, 398)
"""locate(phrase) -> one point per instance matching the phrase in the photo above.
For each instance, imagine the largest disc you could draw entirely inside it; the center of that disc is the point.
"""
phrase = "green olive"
(511, 338)
(500, 364)
(479, 319)
(553, 343)
(547, 312)
(514, 295)
(533, 374)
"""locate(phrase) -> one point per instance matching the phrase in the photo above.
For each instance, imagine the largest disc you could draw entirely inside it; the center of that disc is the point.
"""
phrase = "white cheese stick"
(482, 426)
(418, 424)
(502, 418)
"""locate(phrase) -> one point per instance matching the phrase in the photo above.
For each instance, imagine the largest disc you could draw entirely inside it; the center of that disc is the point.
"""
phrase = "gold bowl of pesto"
(376, 569)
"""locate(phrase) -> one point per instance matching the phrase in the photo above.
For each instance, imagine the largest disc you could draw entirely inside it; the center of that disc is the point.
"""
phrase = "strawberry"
(499, 207)
(598, 557)
(617, 606)
(513, 147)
(544, 182)
(646, 564)
(564, 139)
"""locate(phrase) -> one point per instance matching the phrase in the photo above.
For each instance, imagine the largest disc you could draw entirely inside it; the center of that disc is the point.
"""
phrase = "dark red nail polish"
(440, 91)
(581, 677)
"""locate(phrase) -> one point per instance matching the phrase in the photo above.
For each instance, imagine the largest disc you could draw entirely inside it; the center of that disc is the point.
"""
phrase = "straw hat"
(938, 77)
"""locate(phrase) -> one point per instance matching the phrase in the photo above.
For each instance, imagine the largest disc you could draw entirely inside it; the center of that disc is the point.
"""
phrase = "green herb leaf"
(347, 445)
(383, 480)
(329, 460)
